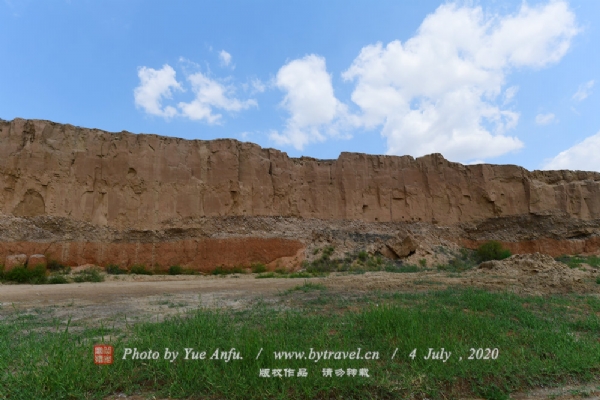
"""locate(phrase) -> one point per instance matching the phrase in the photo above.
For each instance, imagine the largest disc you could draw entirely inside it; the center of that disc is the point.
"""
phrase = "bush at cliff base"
(492, 250)
(33, 275)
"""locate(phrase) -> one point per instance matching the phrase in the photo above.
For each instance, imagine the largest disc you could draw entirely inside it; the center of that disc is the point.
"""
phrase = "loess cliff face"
(129, 181)
(139, 182)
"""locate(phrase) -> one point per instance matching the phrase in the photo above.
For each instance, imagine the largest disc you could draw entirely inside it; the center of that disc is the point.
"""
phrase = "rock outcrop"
(15, 260)
(150, 183)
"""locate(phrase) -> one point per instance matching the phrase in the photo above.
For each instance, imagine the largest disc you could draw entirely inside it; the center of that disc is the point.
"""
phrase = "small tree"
(492, 250)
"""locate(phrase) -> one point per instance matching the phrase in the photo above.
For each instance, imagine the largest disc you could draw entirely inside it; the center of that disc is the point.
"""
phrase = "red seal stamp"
(103, 354)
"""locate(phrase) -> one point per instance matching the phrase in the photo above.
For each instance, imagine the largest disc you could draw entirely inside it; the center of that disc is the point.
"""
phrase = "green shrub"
(327, 252)
(56, 266)
(322, 266)
(139, 269)
(228, 271)
(299, 275)
(18, 275)
(36, 275)
(57, 279)
(175, 270)
(463, 261)
(113, 269)
(598, 280)
(258, 268)
(363, 255)
(492, 250)
(188, 271)
(353, 262)
(89, 275)
(307, 287)
(266, 275)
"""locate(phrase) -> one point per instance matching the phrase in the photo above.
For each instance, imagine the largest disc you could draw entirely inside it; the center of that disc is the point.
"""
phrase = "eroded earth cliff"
(88, 196)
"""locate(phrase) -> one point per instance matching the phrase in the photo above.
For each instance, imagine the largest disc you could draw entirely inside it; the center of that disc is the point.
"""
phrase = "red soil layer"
(548, 246)
(198, 254)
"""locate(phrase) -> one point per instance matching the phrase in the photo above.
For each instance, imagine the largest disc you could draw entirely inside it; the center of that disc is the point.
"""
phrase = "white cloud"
(583, 156)
(313, 107)
(156, 85)
(510, 93)
(438, 92)
(254, 86)
(211, 94)
(258, 86)
(545, 119)
(475, 162)
(225, 58)
(584, 90)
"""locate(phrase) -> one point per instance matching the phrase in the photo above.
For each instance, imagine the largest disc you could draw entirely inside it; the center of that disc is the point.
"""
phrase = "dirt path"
(235, 290)
(116, 288)
(130, 298)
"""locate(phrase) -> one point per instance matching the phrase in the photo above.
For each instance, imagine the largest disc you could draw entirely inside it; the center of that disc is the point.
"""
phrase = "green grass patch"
(57, 279)
(401, 268)
(426, 282)
(463, 261)
(258, 268)
(228, 271)
(576, 260)
(113, 269)
(304, 274)
(267, 275)
(175, 270)
(89, 275)
(292, 275)
(179, 270)
(140, 269)
(539, 341)
(307, 287)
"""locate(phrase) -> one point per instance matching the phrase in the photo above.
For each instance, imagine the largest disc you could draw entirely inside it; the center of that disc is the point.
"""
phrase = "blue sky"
(506, 82)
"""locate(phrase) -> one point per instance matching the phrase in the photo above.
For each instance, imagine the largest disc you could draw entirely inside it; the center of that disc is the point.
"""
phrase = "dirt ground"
(126, 299)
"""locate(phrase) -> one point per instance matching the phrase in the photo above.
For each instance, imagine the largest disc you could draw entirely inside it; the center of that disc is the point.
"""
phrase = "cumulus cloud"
(545, 119)
(584, 91)
(156, 85)
(225, 58)
(583, 156)
(439, 91)
(309, 99)
(211, 94)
